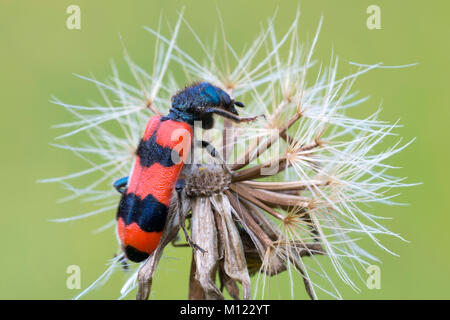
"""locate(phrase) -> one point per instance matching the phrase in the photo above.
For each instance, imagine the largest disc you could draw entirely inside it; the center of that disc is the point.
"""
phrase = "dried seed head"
(203, 180)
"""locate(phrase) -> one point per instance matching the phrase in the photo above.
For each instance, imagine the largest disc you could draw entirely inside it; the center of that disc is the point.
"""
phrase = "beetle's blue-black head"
(195, 103)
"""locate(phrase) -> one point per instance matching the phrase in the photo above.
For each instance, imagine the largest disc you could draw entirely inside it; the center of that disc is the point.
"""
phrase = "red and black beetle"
(160, 156)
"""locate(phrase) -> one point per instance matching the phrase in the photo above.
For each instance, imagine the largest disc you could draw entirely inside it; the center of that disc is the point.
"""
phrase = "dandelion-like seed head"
(293, 195)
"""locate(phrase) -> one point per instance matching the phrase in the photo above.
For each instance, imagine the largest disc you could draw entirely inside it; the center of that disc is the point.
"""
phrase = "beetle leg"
(179, 245)
(179, 189)
(123, 262)
(120, 184)
(212, 151)
(210, 148)
(231, 116)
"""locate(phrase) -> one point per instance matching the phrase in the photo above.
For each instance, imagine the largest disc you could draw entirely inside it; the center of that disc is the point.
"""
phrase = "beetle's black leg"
(231, 116)
(212, 151)
(210, 148)
(179, 189)
(120, 184)
(179, 245)
(123, 262)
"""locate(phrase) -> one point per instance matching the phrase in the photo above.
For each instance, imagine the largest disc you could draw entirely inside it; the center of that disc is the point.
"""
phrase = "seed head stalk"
(294, 192)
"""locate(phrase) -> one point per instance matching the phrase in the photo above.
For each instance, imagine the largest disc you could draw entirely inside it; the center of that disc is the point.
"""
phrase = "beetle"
(147, 192)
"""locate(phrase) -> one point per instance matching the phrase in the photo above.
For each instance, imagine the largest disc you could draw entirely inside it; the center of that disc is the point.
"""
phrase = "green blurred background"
(39, 54)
